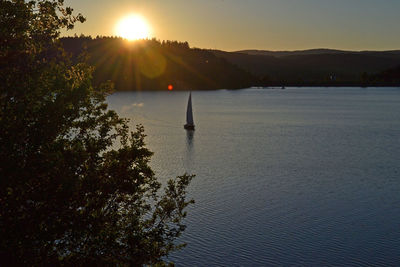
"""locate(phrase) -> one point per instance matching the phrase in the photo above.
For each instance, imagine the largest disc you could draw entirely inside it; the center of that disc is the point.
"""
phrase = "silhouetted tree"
(153, 65)
(75, 184)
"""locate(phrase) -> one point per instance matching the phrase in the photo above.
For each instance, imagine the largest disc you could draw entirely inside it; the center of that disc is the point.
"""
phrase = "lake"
(301, 176)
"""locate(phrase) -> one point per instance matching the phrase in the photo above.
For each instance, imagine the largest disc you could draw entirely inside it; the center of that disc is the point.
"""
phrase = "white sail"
(189, 112)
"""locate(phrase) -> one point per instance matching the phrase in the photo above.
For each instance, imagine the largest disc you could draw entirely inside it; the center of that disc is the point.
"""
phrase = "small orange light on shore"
(170, 87)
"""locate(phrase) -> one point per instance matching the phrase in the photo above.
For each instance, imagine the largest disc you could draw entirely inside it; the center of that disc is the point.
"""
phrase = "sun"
(133, 27)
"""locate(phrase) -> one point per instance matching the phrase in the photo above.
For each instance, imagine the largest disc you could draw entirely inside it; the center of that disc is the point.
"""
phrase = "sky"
(233, 25)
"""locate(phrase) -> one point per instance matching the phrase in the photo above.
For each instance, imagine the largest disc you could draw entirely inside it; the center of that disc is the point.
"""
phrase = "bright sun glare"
(133, 27)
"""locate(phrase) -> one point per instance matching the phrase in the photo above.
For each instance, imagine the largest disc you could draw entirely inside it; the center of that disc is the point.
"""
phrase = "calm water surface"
(302, 176)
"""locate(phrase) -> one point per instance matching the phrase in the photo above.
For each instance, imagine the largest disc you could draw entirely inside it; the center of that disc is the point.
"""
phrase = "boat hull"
(189, 127)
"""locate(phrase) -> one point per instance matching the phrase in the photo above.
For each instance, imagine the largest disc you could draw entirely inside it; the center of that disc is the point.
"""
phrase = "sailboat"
(189, 115)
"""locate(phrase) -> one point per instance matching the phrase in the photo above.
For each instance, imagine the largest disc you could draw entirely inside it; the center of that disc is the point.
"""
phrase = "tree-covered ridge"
(153, 65)
(316, 67)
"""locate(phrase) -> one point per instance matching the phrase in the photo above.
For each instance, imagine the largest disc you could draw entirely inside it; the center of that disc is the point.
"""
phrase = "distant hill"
(154, 65)
(316, 66)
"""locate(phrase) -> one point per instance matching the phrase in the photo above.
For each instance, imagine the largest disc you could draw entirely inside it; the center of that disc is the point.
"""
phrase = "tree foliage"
(75, 184)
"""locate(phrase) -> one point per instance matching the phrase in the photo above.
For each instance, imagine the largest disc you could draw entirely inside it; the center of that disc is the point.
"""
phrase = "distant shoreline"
(258, 88)
(152, 65)
(342, 84)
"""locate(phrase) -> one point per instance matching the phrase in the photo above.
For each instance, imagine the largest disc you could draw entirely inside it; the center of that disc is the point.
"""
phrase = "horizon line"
(238, 50)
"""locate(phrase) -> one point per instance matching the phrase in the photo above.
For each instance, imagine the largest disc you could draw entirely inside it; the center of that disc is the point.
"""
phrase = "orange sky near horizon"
(255, 24)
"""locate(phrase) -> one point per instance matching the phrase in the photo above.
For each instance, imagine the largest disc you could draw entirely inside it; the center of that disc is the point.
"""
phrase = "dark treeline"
(319, 67)
(153, 65)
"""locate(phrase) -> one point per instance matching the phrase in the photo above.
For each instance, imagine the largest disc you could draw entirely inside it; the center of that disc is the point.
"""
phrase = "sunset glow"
(133, 27)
